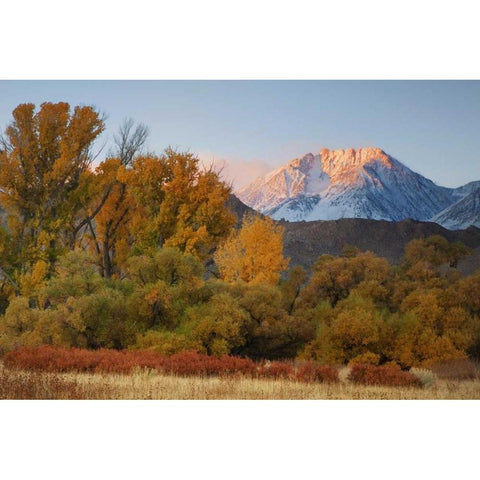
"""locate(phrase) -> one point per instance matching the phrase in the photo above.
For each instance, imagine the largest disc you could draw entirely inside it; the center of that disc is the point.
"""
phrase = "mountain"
(304, 242)
(239, 208)
(363, 183)
(461, 214)
(466, 189)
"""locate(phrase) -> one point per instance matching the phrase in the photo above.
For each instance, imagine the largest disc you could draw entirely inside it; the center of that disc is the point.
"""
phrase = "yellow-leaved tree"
(178, 204)
(45, 159)
(254, 253)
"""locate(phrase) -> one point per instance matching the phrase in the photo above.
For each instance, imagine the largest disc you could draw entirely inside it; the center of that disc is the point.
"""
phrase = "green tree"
(220, 324)
(291, 288)
(334, 277)
(352, 332)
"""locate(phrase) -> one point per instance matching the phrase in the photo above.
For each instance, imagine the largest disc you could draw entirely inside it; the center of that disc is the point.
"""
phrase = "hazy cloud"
(238, 172)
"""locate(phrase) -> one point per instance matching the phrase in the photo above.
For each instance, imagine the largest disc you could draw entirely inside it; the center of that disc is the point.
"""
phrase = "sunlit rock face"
(361, 183)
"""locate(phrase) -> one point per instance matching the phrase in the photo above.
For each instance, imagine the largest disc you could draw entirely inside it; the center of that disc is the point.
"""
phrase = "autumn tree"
(107, 234)
(129, 141)
(79, 307)
(271, 332)
(291, 288)
(469, 293)
(166, 284)
(75, 307)
(44, 163)
(413, 343)
(333, 278)
(156, 201)
(434, 251)
(253, 254)
(8, 286)
(353, 334)
(220, 324)
(179, 204)
(112, 206)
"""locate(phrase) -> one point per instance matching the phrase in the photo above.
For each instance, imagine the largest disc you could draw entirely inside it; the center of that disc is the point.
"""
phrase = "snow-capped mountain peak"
(361, 183)
(335, 162)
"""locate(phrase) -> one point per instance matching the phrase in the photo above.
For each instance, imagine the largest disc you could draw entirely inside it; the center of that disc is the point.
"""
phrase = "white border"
(224, 40)
(239, 439)
(248, 39)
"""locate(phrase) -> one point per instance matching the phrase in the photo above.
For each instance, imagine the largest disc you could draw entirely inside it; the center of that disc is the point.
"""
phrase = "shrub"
(383, 375)
(310, 372)
(55, 359)
(427, 377)
(457, 370)
(193, 363)
(275, 370)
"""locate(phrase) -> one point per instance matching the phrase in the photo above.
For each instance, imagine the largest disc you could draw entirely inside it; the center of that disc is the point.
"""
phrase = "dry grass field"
(16, 384)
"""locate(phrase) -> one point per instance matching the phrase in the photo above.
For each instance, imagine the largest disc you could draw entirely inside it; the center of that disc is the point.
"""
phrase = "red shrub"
(194, 363)
(55, 359)
(275, 370)
(310, 372)
(51, 359)
(190, 363)
(383, 375)
(244, 366)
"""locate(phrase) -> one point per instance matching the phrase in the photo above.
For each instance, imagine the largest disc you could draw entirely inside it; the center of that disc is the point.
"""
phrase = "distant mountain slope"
(461, 214)
(466, 189)
(364, 183)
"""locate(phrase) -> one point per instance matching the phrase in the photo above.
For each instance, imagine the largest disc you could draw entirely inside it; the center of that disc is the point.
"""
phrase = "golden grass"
(151, 385)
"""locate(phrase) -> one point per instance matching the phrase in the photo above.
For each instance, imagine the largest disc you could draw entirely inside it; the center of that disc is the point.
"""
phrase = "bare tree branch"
(129, 141)
(8, 278)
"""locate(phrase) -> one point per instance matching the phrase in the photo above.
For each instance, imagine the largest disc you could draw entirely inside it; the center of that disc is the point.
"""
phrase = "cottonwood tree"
(154, 202)
(112, 205)
(254, 254)
(129, 141)
(178, 204)
(45, 159)
(333, 278)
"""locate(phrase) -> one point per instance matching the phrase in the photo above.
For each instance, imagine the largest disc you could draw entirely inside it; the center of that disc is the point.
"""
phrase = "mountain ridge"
(363, 183)
(461, 214)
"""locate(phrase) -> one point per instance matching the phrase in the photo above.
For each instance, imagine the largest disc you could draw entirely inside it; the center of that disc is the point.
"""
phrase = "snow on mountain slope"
(362, 183)
(462, 214)
(465, 190)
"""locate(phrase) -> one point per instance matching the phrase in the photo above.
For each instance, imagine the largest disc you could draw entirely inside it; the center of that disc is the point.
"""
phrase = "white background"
(241, 40)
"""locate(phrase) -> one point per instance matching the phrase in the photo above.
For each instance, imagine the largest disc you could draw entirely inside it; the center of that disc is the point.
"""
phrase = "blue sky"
(253, 126)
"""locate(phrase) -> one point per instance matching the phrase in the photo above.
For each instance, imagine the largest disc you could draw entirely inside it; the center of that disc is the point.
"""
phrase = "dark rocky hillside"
(305, 241)
(239, 208)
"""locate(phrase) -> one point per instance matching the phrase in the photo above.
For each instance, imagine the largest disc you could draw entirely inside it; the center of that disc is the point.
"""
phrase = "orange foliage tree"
(179, 204)
(254, 254)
